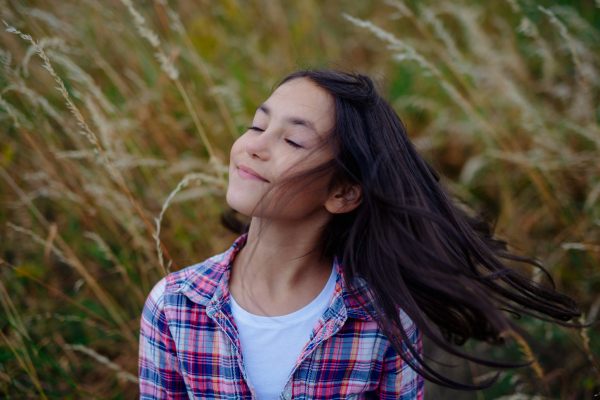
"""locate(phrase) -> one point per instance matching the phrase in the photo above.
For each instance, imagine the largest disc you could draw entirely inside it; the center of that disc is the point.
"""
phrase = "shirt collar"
(207, 282)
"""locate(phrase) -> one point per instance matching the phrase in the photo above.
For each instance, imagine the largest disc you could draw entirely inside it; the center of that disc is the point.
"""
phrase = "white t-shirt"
(271, 345)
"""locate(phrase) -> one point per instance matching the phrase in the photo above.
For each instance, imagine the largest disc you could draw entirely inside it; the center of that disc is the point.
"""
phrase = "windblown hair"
(413, 246)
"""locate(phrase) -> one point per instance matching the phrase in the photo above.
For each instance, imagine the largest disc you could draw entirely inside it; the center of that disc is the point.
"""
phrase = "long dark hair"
(409, 241)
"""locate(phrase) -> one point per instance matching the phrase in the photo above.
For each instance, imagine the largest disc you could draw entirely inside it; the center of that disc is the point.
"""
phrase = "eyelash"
(293, 144)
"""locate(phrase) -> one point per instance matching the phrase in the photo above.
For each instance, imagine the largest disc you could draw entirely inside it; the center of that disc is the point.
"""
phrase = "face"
(288, 136)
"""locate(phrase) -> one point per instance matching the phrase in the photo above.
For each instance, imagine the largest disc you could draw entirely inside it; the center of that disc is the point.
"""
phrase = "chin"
(240, 203)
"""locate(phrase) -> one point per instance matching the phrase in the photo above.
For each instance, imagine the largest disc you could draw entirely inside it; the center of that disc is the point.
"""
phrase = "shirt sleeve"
(398, 380)
(159, 368)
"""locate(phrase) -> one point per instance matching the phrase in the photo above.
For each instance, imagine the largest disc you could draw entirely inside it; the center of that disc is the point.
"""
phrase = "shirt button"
(287, 394)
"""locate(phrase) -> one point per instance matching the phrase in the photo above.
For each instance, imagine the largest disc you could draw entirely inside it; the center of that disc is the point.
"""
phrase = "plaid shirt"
(190, 347)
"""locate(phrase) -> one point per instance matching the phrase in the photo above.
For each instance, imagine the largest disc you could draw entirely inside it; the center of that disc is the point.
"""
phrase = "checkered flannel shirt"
(190, 347)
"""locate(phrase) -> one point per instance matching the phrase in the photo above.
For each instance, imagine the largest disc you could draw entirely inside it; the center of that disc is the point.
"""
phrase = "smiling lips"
(249, 173)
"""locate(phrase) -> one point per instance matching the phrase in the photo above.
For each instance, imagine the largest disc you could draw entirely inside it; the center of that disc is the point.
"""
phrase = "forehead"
(303, 99)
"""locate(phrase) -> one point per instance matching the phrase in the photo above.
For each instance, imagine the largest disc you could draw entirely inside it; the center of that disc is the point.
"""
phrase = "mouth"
(248, 173)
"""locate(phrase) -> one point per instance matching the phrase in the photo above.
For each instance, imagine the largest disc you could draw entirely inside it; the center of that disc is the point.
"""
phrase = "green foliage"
(101, 198)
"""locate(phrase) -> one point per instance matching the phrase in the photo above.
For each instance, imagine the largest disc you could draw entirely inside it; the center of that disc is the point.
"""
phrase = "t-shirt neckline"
(299, 315)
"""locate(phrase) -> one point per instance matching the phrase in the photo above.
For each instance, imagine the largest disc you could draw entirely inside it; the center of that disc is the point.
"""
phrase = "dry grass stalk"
(74, 260)
(121, 373)
(36, 238)
(177, 25)
(170, 69)
(526, 350)
(198, 178)
(586, 346)
(59, 294)
(12, 314)
(562, 29)
(469, 105)
(29, 371)
(81, 122)
(111, 256)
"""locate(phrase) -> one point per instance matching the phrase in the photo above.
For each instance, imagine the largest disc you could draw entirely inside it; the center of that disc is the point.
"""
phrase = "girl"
(353, 251)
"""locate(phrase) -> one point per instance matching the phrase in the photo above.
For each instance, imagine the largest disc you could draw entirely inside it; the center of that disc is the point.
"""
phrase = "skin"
(279, 271)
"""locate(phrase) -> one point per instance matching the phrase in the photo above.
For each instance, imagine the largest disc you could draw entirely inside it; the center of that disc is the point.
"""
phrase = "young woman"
(353, 251)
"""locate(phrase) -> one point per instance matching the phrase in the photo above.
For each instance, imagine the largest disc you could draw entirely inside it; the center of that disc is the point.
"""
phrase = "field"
(116, 120)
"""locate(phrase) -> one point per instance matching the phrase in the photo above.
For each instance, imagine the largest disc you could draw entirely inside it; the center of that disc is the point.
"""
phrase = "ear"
(344, 199)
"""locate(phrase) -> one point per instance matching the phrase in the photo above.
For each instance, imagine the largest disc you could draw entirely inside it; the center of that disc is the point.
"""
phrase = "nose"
(258, 147)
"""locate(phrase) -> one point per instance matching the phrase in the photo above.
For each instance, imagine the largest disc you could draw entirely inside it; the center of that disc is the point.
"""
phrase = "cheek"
(238, 147)
(295, 162)
(301, 196)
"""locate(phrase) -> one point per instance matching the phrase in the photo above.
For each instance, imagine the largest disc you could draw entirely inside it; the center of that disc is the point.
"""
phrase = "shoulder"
(367, 325)
(178, 279)
(412, 334)
(360, 302)
(198, 282)
(365, 322)
(157, 294)
(409, 327)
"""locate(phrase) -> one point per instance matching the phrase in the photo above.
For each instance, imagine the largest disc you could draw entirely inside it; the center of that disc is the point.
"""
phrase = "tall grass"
(118, 177)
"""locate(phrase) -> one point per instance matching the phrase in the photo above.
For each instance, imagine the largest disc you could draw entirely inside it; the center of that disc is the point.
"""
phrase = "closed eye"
(293, 144)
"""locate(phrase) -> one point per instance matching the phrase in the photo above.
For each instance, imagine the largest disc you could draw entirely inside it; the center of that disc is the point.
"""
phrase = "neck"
(281, 268)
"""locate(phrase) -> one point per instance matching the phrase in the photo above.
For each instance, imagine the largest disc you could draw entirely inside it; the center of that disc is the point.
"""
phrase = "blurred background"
(116, 120)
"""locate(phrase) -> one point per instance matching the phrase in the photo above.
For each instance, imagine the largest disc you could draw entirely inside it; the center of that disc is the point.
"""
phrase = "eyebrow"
(292, 120)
